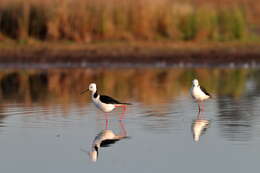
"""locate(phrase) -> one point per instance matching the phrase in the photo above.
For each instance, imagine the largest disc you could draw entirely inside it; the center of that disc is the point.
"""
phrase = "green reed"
(94, 20)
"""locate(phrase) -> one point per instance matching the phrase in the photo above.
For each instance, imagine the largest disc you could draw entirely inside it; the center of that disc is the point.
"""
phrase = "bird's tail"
(125, 103)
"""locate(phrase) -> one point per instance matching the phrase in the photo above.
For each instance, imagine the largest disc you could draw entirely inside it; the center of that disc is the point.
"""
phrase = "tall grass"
(94, 20)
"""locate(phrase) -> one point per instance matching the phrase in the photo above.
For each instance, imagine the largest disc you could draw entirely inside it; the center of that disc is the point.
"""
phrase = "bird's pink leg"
(199, 105)
(123, 112)
(202, 106)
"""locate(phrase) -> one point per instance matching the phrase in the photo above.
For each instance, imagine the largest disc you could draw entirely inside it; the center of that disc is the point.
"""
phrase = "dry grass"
(94, 20)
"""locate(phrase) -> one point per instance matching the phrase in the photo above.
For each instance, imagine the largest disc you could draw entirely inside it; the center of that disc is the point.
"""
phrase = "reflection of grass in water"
(255, 76)
(232, 82)
(144, 85)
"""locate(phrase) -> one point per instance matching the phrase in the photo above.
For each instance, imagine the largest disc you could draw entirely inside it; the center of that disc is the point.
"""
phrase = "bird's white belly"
(104, 107)
(198, 94)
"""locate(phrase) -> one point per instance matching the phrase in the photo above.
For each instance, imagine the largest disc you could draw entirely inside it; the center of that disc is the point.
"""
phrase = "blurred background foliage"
(98, 20)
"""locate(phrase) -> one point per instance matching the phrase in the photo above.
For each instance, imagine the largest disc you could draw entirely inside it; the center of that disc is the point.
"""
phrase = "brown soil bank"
(131, 54)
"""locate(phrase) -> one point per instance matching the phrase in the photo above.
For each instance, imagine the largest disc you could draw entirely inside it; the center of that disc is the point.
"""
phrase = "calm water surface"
(46, 126)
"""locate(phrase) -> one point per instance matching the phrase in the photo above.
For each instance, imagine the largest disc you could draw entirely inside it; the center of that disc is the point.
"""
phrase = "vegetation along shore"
(125, 31)
(160, 53)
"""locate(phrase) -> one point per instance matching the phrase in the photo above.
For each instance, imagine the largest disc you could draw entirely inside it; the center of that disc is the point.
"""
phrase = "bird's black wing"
(108, 142)
(205, 91)
(108, 100)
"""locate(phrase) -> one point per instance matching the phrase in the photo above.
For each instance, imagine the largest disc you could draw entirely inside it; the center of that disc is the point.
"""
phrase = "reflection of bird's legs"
(106, 117)
(202, 106)
(199, 116)
(122, 128)
(123, 111)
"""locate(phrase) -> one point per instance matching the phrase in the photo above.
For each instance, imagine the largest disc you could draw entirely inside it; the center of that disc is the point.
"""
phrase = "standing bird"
(104, 103)
(199, 93)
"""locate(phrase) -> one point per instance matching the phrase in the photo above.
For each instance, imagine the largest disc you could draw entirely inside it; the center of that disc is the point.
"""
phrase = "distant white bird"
(103, 102)
(199, 93)
(104, 139)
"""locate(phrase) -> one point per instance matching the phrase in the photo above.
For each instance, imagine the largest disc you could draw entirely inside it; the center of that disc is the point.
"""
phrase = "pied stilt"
(103, 102)
(199, 93)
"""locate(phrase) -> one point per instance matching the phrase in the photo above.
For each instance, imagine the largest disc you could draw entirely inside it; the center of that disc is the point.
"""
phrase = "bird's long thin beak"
(83, 91)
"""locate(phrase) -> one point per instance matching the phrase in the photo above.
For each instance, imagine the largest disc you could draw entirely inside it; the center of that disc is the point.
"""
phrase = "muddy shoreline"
(127, 56)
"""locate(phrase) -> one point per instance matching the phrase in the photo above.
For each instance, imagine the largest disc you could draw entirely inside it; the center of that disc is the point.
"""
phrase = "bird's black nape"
(95, 95)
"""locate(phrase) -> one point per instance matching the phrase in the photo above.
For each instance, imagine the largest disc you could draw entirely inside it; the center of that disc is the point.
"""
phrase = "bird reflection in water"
(199, 127)
(104, 139)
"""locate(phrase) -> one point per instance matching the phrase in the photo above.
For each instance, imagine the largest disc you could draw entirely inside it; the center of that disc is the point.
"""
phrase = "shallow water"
(46, 126)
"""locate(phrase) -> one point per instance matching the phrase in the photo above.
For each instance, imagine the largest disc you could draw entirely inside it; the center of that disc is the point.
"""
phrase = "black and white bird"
(199, 93)
(103, 102)
(104, 139)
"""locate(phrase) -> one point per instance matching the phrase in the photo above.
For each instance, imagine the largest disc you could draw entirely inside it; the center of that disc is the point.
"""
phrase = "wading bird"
(199, 93)
(103, 102)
